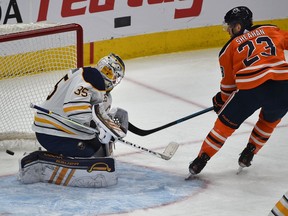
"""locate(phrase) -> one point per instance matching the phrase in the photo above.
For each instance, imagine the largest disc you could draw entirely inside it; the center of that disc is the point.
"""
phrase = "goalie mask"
(112, 69)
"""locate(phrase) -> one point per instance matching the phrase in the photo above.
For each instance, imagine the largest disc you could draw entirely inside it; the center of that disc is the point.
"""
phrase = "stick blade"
(170, 150)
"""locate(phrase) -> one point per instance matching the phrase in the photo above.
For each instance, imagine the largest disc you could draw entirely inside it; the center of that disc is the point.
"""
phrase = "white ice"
(161, 89)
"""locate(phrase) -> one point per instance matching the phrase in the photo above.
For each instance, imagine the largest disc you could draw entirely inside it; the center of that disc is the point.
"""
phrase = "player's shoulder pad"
(262, 25)
(94, 77)
(225, 46)
(252, 28)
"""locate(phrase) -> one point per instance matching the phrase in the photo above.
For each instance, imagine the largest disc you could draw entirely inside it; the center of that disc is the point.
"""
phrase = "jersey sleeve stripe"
(267, 73)
(262, 66)
(74, 108)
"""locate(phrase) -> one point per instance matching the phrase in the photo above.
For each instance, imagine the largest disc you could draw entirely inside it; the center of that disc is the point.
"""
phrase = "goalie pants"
(271, 97)
(68, 146)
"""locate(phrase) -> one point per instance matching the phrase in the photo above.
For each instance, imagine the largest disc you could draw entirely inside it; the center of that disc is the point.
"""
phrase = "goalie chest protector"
(43, 166)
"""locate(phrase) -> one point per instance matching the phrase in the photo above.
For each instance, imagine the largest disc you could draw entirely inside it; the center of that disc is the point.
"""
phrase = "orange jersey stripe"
(251, 81)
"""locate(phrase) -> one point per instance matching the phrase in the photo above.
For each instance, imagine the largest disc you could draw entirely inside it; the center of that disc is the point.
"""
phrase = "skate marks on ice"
(138, 188)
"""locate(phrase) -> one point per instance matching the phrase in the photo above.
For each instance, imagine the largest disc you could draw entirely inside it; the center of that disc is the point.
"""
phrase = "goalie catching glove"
(113, 126)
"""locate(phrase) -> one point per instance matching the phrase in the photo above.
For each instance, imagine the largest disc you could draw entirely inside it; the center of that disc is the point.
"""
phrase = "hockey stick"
(49, 112)
(168, 153)
(142, 132)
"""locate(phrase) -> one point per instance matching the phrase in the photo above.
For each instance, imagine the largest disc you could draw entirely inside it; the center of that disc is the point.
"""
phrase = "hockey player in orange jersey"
(254, 76)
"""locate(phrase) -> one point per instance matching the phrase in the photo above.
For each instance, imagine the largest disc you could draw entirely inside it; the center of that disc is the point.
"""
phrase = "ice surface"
(158, 90)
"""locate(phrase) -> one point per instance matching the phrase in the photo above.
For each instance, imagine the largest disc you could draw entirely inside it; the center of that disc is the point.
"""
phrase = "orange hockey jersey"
(252, 58)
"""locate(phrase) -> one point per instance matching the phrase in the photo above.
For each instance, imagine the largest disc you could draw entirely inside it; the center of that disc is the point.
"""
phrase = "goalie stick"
(142, 132)
(168, 153)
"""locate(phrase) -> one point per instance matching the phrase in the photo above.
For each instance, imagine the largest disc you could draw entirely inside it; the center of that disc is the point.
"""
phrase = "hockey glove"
(103, 136)
(217, 102)
(107, 127)
(120, 117)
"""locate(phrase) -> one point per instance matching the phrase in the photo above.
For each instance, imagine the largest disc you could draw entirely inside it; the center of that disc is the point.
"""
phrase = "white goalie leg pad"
(109, 149)
(31, 174)
(42, 166)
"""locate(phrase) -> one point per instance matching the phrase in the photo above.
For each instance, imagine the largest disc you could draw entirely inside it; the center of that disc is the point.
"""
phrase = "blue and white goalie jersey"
(73, 97)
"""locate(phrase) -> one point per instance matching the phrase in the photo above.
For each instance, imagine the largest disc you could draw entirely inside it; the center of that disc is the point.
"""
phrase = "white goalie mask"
(112, 69)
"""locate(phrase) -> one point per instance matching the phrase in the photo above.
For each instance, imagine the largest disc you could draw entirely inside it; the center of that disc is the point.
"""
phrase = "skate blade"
(240, 169)
(190, 177)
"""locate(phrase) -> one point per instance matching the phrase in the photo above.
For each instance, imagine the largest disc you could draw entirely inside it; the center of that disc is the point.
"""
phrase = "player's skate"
(247, 155)
(198, 164)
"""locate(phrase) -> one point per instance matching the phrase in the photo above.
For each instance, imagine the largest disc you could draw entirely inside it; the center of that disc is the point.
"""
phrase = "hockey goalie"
(74, 155)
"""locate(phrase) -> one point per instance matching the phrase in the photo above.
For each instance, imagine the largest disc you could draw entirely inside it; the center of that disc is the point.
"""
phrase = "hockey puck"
(9, 152)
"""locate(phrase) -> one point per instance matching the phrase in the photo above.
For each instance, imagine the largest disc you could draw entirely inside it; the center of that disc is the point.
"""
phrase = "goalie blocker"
(43, 166)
